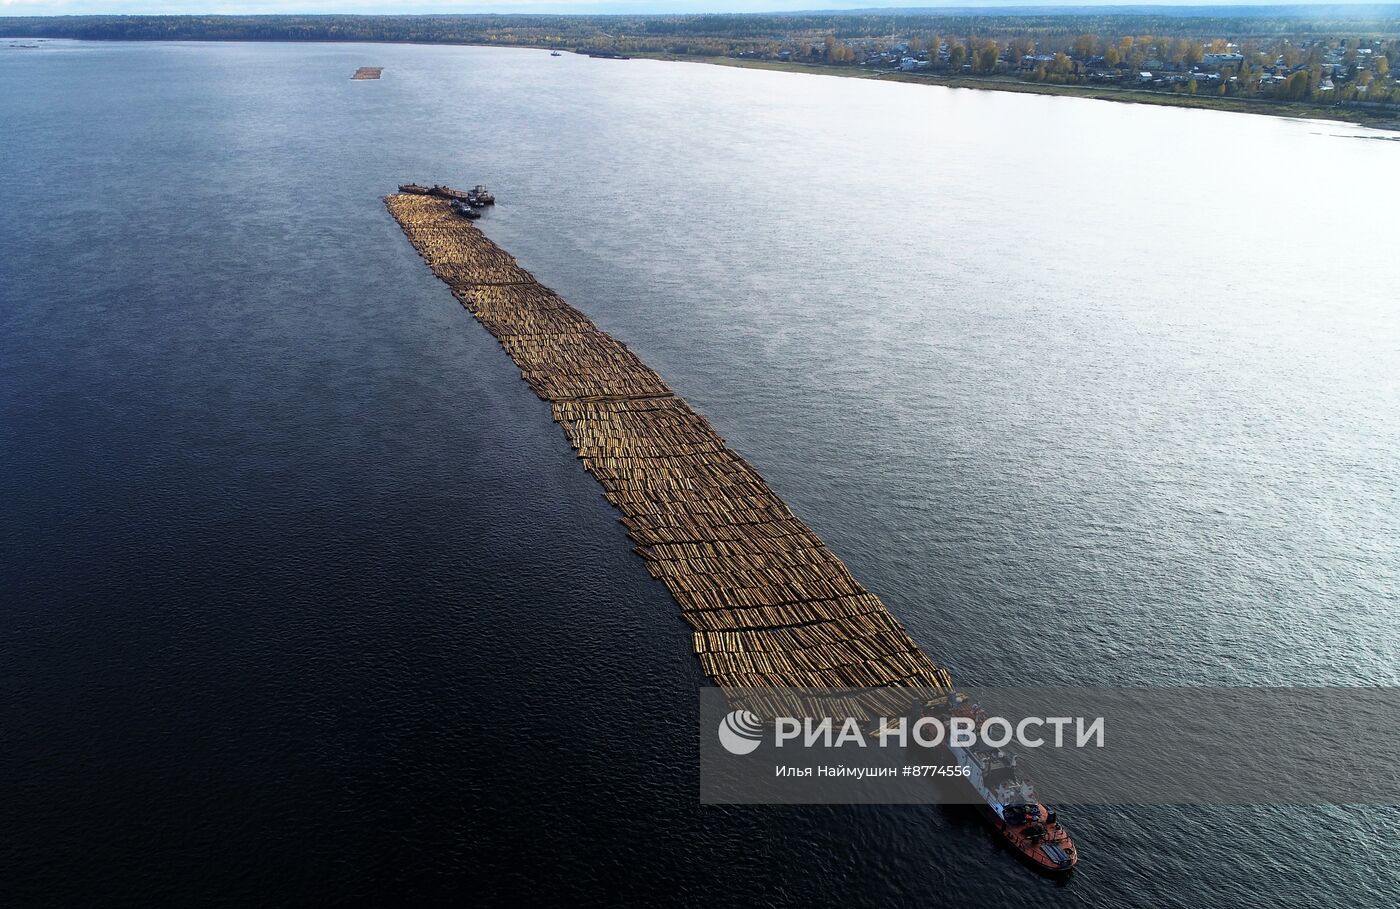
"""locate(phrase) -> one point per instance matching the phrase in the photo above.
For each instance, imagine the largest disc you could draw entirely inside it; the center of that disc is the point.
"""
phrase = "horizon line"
(963, 7)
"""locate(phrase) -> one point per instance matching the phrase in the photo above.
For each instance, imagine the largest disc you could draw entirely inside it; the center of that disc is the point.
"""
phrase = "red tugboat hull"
(1007, 799)
(1060, 858)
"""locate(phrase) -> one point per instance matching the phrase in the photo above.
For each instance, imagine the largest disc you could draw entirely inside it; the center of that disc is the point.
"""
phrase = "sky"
(136, 7)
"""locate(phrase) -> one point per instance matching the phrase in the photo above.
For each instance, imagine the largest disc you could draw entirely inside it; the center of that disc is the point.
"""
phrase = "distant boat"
(465, 210)
(555, 54)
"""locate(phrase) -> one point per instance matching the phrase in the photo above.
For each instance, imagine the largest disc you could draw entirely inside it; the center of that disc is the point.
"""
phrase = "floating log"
(770, 605)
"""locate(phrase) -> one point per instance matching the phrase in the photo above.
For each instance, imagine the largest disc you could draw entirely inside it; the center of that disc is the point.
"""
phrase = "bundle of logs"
(769, 604)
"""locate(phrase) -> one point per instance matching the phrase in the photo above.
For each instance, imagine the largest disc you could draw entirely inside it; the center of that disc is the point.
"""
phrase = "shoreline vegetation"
(1316, 62)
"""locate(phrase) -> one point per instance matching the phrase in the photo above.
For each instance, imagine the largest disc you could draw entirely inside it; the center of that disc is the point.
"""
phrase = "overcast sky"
(78, 7)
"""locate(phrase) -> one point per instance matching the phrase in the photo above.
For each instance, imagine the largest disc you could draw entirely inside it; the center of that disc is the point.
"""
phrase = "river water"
(306, 599)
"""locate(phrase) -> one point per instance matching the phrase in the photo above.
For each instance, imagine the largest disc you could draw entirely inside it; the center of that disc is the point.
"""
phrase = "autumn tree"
(1019, 48)
(987, 57)
(1296, 88)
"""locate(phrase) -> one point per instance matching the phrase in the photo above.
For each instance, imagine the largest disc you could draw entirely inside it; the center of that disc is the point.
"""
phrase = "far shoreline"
(1389, 121)
(1261, 106)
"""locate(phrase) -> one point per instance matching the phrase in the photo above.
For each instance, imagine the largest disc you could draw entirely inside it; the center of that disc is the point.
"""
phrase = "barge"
(769, 605)
(438, 190)
(477, 197)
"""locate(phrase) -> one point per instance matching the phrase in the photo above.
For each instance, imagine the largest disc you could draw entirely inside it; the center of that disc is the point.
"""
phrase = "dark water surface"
(305, 599)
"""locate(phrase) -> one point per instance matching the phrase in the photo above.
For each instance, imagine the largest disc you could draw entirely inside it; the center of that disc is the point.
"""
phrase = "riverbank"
(1267, 106)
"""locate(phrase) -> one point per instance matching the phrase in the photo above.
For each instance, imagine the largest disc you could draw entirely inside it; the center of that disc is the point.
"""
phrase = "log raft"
(769, 605)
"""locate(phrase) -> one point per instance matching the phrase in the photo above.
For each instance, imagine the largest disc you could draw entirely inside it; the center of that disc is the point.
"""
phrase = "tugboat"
(1007, 799)
(480, 196)
(465, 210)
(555, 54)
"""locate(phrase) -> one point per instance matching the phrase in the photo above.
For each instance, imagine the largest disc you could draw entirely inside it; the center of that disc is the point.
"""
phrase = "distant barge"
(466, 204)
(442, 192)
(368, 72)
